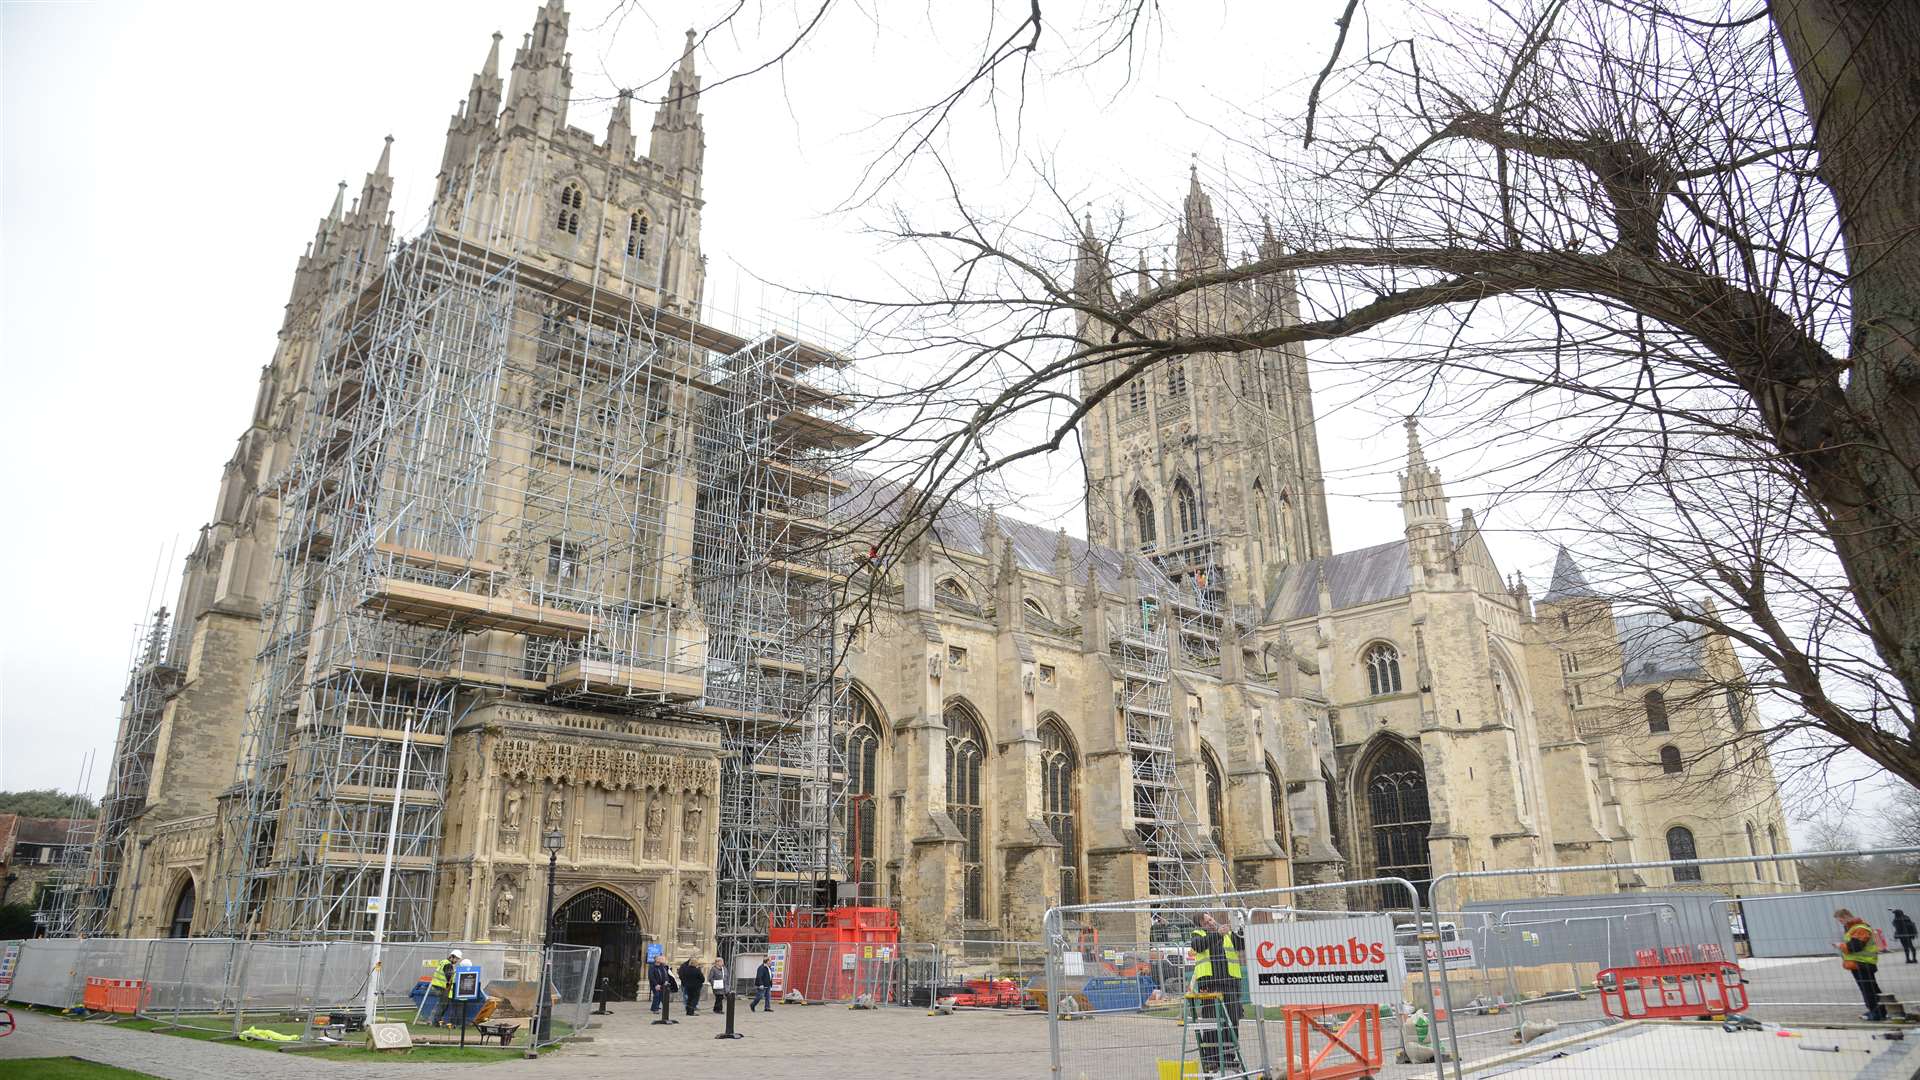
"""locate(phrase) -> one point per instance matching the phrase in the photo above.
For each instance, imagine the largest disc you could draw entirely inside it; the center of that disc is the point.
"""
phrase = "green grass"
(66, 1068)
(220, 1029)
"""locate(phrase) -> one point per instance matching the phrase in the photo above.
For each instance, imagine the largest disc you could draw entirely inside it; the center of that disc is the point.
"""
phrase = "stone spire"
(1091, 280)
(678, 144)
(1423, 503)
(542, 80)
(1201, 244)
(620, 129)
(376, 193)
(1569, 580)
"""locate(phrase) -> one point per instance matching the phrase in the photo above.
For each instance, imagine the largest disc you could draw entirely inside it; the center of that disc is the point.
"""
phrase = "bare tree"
(1592, 226)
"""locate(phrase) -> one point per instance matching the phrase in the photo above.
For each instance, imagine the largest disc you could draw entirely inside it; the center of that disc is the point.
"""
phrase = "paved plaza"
(834, 1041)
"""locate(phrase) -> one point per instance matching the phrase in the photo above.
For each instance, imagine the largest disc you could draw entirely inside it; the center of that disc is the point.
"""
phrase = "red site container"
(831, 954)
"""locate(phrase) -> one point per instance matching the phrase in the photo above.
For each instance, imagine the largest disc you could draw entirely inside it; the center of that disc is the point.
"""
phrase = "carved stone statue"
(690, 828)
(656, 827)
(511, 819)
(503, 903)
(689, 906)
(556, 811)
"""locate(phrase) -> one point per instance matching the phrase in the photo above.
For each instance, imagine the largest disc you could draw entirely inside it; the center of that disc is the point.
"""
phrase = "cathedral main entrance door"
(600, 918)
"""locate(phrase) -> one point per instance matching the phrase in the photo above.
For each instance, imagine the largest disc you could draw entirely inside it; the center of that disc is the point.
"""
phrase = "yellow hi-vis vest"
(439, 980)
(1203, 969)
(1869, 953)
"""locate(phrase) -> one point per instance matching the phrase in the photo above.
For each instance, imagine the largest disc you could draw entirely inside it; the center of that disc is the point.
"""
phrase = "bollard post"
(666, 1010)
(732, 997)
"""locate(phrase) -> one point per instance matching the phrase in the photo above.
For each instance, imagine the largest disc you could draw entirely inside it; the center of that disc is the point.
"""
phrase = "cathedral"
(461, 565)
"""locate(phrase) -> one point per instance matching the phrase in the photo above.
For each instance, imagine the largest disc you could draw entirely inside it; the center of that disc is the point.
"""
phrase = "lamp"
(551, 842)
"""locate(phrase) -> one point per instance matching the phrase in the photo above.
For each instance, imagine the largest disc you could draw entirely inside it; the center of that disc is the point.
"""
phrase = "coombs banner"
(1324, 962)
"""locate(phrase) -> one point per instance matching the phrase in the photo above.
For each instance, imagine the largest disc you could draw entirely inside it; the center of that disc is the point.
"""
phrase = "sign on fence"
(1454, 954)
(777, 965)
(1325, 961)
(9, 960)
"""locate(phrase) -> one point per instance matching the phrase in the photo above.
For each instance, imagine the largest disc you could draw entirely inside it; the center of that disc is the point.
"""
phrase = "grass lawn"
(219, 1029)
(65, 1068)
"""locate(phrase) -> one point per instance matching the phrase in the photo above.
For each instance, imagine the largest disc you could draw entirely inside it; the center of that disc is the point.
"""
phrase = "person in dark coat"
(762, 986)
(660, 981)
(1904, 931)
(692, 982)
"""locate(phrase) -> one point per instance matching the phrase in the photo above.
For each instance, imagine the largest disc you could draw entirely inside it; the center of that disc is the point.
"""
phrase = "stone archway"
(600, 917)
(1395, 818)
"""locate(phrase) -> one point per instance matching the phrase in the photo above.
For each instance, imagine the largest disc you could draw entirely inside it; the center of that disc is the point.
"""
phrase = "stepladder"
(1210, 1037)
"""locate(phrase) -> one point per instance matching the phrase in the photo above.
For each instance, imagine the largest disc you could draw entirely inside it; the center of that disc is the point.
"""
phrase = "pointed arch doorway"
(601, 918)
(1393, 802)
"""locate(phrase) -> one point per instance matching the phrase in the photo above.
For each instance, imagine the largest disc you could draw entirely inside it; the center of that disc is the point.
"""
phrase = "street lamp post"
(552, 841)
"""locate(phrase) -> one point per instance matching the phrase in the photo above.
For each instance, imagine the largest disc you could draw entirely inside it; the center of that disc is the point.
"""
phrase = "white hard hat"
(456, 955)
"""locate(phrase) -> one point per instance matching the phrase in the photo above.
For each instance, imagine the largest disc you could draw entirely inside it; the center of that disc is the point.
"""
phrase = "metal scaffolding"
(1179, 850)
(512, 483)
(92, 864)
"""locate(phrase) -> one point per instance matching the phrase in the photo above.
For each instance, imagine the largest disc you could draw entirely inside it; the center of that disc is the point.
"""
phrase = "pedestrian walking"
(1860, 954)
(660, 981)
(762, 986)
(1904, 931)
(692, 981)
(717, 980)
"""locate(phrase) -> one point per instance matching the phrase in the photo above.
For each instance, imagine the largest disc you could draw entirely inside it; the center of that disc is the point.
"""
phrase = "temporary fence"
(966, 973)
(1606, 978)
(313, 991)
(1801, 924)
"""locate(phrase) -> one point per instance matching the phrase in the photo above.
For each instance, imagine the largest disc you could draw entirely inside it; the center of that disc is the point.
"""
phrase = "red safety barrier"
(1679, 954)
(113, 995)
(1711, 953)
(1672, 990)
(1645, 957)
(1356, 1041)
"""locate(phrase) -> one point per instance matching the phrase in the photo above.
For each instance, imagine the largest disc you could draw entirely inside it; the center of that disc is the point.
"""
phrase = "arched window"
(1670, 759)
(1137, 396)
(1753, 848)
(1059, 794)
(1033, 607)
(1398, 818)
(1187, 508)
(571, 200)
(1144, 532)
(1656, 703)
(1277, 800)
(1216, 803)
(949, 590)
(181, 925)
(1773, 848)
(1176, 378)
(1735, 712)
(966, 754)
(637, 236)
(1383, 669)
(863, 786)
(1680, 846)
(1336, 820)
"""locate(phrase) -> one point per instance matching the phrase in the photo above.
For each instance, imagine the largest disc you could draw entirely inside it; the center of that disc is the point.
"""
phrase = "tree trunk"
(1858, 66)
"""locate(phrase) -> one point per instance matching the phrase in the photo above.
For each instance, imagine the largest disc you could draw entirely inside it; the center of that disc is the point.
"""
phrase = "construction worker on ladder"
(1217, 970)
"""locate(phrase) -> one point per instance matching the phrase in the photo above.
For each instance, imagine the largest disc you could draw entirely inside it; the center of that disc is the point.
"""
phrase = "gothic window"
(1033, 607)
(637, 236)
(1383, 669)
(1773, 848)
(1059, 789)
(1216, 803)
(1143, 519)
(1277, 800)
(1656, 704)
(1187, 508)
(1137, 396)
(1680, 846)
(1670, 760)
(563, 559)
(181, 925)
(1336, 822)
(1176, 378)
(571, 200)
(1753, 848)
(1398, 818)
(1734, 711)
(950, 591)
(966, 754)
(863, 774)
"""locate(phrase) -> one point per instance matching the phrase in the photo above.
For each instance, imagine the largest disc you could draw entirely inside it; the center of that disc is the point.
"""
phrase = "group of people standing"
(692, 983)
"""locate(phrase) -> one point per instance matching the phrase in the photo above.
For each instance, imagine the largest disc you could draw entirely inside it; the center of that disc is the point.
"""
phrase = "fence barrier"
(315, 991)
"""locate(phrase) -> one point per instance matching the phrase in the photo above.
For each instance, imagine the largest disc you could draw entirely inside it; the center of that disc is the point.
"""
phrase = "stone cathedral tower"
(1209, 463)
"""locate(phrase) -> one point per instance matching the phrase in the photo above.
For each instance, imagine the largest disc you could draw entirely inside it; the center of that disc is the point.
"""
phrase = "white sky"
(164, 166)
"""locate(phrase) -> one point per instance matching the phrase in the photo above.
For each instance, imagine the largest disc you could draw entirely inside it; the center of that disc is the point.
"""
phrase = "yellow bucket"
(1175, 1070)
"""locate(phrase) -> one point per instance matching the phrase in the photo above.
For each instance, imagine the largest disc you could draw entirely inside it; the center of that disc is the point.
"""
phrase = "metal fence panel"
(47, 973)
(1801, 924)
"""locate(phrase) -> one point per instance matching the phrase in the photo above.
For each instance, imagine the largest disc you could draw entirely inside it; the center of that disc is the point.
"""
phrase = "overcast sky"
(166, 163)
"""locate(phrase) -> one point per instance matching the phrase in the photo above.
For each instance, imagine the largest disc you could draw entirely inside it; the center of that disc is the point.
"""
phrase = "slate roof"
(1654, 648)
(1365, 576)
(963, 528)
(49, 830)
(1569, 581)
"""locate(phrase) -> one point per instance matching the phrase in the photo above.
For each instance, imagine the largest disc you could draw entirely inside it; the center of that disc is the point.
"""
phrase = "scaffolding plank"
(602, 677)
(412, 601)
(361, 731)
(805, 481)
(431, 560)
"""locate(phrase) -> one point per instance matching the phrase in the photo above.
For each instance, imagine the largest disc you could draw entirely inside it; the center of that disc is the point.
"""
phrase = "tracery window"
(637, 236)
(571, 200)
(1383, 669)
(1398, 817)
(863, 775)
(966, 755)
(1277, 798)
(1735, 712)
(1216, 803)
(1176, 378)
(1187, 508)
(1137, 396)
(1059, 790)
(1143, 518)
(1680, 846)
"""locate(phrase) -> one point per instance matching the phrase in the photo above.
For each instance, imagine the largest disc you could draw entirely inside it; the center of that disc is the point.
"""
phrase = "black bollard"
(733, 996)
(666, 1010)
(605, 986)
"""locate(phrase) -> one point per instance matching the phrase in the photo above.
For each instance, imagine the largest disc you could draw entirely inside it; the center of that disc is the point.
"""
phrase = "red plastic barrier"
(1672, 990)
(1354, 1047)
